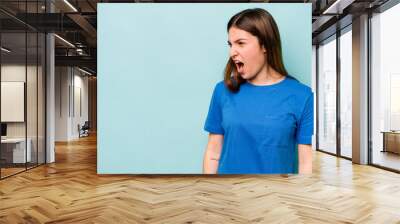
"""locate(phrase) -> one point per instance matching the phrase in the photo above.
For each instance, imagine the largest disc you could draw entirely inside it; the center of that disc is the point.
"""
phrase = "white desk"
(19, 149)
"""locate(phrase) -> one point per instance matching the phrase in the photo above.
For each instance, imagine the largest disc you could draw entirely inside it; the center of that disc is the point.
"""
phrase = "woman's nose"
(232, 52)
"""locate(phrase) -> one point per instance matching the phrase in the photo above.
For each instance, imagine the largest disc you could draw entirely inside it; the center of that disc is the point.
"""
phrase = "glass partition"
(14, 154)
(346, 93)
(22, 77)
(385, 89)
(327, 96)
(32, 94)
(41, 86)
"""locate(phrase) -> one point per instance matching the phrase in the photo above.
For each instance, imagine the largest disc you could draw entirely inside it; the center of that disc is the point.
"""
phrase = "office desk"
(391, 141)
(15, 148)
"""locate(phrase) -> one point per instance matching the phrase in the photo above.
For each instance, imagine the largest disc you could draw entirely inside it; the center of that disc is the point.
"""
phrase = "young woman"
(259, 116)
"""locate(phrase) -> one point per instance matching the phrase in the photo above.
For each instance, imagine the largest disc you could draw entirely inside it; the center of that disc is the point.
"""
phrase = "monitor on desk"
(3, 130)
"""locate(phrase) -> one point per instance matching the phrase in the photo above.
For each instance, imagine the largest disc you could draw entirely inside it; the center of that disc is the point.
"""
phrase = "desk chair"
(84, 130)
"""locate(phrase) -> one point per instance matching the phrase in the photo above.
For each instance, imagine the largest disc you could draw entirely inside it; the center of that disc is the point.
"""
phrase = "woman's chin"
(243, 75)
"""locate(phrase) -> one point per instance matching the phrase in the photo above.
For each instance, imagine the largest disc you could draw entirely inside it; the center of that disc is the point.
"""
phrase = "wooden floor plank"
(70, 191)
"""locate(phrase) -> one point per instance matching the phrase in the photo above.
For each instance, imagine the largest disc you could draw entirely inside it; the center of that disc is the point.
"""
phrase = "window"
(346, 93)
(327, 96)
(385, 88)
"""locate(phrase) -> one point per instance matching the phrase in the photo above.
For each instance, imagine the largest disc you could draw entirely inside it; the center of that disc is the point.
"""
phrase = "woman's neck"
(267, 76)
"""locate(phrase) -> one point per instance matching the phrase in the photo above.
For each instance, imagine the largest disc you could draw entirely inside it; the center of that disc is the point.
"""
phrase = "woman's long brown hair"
(261, 24)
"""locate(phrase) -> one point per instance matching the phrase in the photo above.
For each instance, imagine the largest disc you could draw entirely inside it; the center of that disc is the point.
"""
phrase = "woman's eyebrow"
(237, 40)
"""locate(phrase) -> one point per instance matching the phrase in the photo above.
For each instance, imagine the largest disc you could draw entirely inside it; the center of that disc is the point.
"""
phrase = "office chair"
(84, 130)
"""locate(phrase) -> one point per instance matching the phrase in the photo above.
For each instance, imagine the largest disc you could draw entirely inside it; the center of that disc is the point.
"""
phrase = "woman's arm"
(305, 159)
(212, 154)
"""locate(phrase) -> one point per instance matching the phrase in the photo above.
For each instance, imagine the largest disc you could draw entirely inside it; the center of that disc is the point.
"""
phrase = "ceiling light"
(71, 6)
(5, 50)
(337, 7)
(64, 40)
(86, 72)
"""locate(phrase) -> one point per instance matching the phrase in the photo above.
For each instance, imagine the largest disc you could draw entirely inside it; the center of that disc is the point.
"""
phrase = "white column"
(50, 110)
(360, 90)
(50, 91)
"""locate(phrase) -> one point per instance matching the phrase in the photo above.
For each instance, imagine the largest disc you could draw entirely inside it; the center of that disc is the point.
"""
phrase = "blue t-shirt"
(262, 126)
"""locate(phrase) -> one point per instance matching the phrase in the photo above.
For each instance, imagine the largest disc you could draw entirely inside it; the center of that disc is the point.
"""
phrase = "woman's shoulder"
(220, 84)
(300, 93)
(298, 87)
(221, 87)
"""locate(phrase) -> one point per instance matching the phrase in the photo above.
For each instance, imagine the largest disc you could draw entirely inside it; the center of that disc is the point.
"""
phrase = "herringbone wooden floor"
(70, 191)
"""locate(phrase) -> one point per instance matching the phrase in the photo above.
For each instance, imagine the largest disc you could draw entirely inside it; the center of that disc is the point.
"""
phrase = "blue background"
(157, 67)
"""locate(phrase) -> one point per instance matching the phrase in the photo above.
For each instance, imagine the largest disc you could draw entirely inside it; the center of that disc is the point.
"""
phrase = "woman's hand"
(305, 159)
(212, 154)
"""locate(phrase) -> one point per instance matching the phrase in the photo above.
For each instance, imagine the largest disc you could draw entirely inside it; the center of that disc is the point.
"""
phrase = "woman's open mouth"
(239, 67)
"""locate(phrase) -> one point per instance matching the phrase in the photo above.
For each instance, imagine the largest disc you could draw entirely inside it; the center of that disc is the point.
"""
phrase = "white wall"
(15, 72)
(81, 102)
(71, 93)
(33, 127)
(61, 103)
(9, 73)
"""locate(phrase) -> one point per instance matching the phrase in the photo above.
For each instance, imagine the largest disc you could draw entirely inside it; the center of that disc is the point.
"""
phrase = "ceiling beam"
(84, 61)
